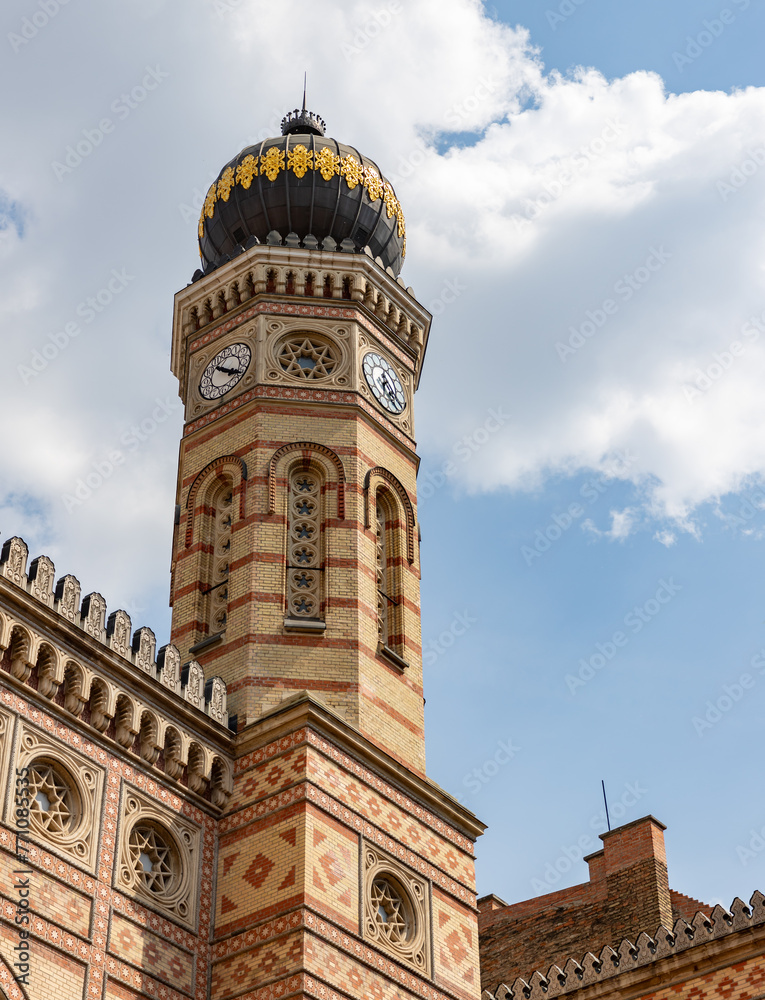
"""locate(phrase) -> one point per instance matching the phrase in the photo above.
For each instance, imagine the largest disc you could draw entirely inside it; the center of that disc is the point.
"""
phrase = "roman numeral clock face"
(224, 371)
(384, 382)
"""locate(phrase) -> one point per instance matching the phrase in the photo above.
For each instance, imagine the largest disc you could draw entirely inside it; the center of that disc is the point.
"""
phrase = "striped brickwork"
(339, 432)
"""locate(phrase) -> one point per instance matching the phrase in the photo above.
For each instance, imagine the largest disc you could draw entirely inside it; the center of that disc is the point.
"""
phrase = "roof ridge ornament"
(304, 121)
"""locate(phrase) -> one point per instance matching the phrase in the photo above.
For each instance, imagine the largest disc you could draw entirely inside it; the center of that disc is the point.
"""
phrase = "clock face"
(224, 371)
(384, 382)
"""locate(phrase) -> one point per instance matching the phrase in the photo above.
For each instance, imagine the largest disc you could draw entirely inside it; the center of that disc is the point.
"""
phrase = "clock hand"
(227, 371)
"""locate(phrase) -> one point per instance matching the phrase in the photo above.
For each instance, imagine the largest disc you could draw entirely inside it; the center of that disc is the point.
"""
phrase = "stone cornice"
(358, 266)
(57, 631)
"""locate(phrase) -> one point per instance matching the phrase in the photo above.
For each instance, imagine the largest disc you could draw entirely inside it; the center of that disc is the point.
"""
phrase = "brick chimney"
(628, 892)
(633, 865)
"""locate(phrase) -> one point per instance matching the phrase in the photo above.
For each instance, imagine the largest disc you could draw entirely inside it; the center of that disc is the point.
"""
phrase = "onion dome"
(302, 189)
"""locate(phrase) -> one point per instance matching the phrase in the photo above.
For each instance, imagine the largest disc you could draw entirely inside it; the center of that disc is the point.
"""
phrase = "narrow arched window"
(305, 543)
(388, 589)
(219, 518)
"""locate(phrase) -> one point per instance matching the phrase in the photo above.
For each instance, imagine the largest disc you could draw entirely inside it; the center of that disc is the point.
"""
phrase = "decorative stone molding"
(310, 451)
(158, 858)
(13, 561)
(92, 616)
(140, 727)
(118, 630)
(67, 792)
(68, 597)
(42, 573)
(628, 956)
(396, 909)
(193, 681)
(143, 649)
(114, 635)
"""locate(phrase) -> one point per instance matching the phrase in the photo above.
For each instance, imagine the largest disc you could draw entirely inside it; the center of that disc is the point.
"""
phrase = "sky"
(584, 187)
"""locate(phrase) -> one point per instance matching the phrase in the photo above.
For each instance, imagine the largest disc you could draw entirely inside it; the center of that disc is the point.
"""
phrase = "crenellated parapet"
(110, 677)
(646, 951)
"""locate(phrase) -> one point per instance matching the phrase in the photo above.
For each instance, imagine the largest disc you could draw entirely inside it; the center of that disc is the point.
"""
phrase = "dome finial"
(304, 121)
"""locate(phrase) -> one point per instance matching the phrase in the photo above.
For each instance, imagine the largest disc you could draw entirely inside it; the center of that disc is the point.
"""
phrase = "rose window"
(153, 859)
(54, 802)
(391, 911)
(304, 358)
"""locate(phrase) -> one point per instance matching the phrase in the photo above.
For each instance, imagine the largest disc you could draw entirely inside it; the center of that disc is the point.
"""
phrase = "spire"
(305, 122)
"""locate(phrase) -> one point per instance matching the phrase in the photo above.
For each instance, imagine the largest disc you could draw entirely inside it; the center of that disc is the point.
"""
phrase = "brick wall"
(628, 892)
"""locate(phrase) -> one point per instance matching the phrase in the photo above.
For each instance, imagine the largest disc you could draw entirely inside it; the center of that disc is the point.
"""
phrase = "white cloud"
(571, 185)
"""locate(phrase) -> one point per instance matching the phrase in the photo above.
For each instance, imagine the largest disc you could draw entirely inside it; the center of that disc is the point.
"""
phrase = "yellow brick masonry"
(289, 871)
(260, 661)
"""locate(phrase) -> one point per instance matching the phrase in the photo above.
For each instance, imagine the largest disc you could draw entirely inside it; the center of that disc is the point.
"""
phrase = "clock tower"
(295, 577)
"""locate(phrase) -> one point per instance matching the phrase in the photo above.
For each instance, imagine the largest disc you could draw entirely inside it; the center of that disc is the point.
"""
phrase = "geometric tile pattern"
(260, 870)
(389, 817)
(148, 952)
(66, 894)
(281, 956)
(455, 946)
(55, 902)
(333, 866)
(263, 781)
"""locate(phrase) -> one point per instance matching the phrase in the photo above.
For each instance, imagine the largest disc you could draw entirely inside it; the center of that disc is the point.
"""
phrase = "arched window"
(216, 533)
(389, 599)
(305, 546)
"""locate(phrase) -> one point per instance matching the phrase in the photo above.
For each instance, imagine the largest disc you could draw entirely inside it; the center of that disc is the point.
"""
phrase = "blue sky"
(567, 186)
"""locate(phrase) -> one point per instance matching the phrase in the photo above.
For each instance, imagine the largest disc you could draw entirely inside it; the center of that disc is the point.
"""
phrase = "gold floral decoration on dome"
(391, 202)
(300, 160)
(210, 200)
(225, 183)
(401, 220)
(352, 171)
(373, 183)
(246, 170)
(272, 163)
(327, 163)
